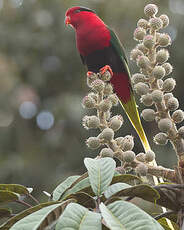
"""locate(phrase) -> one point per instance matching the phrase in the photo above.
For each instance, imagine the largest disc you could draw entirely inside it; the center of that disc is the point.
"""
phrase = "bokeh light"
(16, 3)
(27, 109)
(45, 120)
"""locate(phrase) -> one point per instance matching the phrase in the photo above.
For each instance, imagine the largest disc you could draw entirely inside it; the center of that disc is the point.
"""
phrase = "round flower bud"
(158, 72)
(157, 95)
(138, 77)
(164, 40)
(148, 41)
(108, 89)
(167, 96)
(165, 125)
(105, 105)
(119, 140)
(148, 114)
(127, 143)
(93, 142)
(142, 23)
(106, 152)
(107, 134)
(162, 56)
(169, 84)
(165, 20)
(160, 139)
(150, 10)
(143, 62)
(91, 122)
(106, 76)
(178, 116)
(149, 156)
(128, 156)
(142, 48)
(172, 104)
(139, 33)
(114, 99)
(116, 122)
(141, 169)
(88, 102)
(141, 88)
(181, 131)
(140, 157)
(156, 23)
(93, 95)
(168, 68)
(147, 100)
(98, 85)
(134, 54)
(90, 78)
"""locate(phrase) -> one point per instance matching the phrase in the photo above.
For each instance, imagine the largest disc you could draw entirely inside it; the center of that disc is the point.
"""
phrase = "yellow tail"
(131, 110)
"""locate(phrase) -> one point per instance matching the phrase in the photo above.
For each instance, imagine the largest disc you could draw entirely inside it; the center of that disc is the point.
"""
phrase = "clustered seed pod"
(156, 23)
(116, 122)
(168, 68)
(93, 142)
(165, 125)
(88, 102)
(157, 95)
(135, 53)
(147, 100)
(178, 116)
(149, 156)
(114, 99)
(139, 33)
(164, 40)
(105, 105)
(169, 84)
(128, 156)
(138, 77)
(181, 132)
(160, 139)
(140, 157)
(148, 41)
(162, 56)
(143, 62)
(107, 134)
(106, 152)
(141, 88)
(143, 23)
(127, 143)
(91, 122)
(148, 114)
(150, 10)
(165, 20)
(172, 104)
(98, 85)
(158, 72)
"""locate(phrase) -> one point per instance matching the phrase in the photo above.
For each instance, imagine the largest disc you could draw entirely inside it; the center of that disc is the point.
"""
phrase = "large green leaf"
(7, 196)
(41, 218)
(143, 191)
(83, 199)
(101, 172)
(77, 217)
(81, 186)
(17, 188)
(126, 178)
(27, 212)
(61, 188)
(113, 189)
(122, 215)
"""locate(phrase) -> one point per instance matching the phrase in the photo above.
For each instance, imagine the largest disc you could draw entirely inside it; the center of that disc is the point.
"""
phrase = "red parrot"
(101, 50)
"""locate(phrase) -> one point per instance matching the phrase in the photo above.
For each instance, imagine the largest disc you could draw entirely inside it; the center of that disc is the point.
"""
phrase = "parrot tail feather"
(130, 108)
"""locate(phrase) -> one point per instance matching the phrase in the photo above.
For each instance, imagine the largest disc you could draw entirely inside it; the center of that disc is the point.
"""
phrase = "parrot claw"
(106, 68)
(89, 73)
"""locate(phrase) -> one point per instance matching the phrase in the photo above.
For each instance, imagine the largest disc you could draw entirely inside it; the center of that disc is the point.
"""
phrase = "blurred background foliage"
(42, 83)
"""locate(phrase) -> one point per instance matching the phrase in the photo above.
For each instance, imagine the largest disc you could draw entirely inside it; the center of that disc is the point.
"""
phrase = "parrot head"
(77, 15)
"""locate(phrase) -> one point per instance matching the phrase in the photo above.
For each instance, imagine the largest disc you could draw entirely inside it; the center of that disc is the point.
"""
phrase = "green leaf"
(122, 215)
(83, 199)
(5, 212)
(101, 172)
(126, 178)
(77, 217)
(81, 186)
(143, 191)
(27, 212)
(112, 189)
(61, 188)
(16, 188)
(7, 196)
(41, 218)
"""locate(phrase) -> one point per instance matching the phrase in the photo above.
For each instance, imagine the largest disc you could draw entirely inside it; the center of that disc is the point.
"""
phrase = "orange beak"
(67, 20)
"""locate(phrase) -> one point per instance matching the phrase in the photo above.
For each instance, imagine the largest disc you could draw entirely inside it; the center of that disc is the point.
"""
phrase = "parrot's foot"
(106, 68)
(89, 73)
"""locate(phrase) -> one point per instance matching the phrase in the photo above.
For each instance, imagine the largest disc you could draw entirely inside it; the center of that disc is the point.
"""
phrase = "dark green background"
(39, 62)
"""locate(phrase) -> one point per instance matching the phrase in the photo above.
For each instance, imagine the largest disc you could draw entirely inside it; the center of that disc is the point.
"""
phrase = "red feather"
(120, 82)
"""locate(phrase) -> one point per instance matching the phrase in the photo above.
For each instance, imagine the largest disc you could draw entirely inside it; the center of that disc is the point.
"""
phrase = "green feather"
(130, 107)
